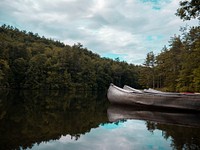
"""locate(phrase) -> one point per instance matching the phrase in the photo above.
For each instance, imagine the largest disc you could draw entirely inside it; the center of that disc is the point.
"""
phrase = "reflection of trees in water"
(29, 117)
(151, 126)
(182, 137)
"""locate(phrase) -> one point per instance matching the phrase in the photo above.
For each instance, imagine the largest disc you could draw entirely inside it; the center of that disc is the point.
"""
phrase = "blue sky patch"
(114, 56)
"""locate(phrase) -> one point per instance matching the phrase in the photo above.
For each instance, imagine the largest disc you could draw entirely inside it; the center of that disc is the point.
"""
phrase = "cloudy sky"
(127, 29)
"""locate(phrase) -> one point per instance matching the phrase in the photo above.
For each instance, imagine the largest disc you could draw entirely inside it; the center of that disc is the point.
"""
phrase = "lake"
(58, 120)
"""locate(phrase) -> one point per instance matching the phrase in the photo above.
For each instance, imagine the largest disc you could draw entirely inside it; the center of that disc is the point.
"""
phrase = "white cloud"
(128, 28)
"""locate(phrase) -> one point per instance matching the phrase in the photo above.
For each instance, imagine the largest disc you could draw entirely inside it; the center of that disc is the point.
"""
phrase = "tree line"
(28, 61)
(177, 68)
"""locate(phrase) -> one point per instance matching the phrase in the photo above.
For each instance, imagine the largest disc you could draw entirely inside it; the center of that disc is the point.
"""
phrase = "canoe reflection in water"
(183, 118)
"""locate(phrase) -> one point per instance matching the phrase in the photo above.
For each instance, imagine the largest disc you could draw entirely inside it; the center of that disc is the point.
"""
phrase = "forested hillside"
(28, 61)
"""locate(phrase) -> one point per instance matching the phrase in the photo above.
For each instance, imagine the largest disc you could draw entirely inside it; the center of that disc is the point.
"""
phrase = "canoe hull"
(120, 96)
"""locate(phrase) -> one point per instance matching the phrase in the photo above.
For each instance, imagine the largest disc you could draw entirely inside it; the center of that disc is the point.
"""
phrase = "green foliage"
(177, 68)
(189, 9)
(4, 73)
(148, 71)
(28, 61)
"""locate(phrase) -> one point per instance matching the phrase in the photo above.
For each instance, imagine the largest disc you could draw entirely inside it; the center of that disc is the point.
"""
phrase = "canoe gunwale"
(156, 92)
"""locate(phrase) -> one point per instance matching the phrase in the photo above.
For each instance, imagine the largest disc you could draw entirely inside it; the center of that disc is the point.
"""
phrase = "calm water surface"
(82, 121)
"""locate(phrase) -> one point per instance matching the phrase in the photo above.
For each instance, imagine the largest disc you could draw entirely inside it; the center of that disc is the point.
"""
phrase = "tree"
(149, 69)
(4, 72)
(189, 9)
(196, 79)
(162, 67)
(191, 57)
(19, 69)
(37, 72)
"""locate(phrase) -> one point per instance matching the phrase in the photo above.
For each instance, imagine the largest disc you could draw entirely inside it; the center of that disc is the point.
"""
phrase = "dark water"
(60, 120)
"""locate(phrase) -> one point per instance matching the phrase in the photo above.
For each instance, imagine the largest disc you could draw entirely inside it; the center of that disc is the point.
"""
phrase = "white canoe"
(170, 100)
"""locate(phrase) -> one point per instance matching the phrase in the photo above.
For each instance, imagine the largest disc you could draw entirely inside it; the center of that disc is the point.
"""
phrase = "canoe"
(126, 87)
(119, 95)
(118, 112)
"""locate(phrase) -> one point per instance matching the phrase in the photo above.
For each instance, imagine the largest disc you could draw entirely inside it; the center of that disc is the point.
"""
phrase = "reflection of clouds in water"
(66, 138)
(131, 134)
